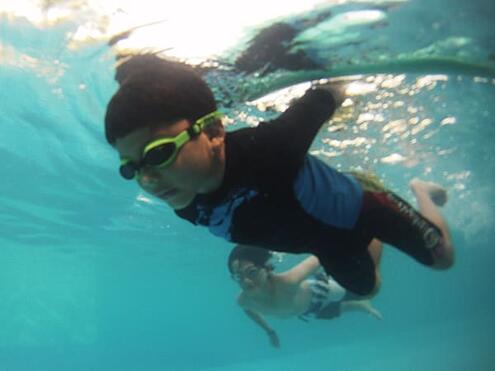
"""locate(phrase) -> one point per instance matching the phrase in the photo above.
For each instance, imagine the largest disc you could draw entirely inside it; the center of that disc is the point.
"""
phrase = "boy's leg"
(429, 196)
(392, 220)
(355, 271)
(375, 251)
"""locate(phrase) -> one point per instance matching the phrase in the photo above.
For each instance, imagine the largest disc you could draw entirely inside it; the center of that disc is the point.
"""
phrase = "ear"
(217, 143)
(218, 146)
(216, 135)
(215, 131)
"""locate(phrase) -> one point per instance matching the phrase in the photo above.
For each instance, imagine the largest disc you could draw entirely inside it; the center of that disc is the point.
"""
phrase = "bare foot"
(437, 193)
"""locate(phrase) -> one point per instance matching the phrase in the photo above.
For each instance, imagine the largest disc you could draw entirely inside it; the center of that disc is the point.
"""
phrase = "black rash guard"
(256, 203)
(276, 196)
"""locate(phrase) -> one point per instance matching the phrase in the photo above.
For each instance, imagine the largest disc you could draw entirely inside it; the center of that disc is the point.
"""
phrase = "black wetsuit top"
(262, 166)
(276, 196)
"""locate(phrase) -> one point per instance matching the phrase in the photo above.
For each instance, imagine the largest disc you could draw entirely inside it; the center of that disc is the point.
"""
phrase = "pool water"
(97, 275)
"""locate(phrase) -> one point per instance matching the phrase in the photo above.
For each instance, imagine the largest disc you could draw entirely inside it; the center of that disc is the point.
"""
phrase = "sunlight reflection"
(279, 100)
(394, 158)
(193, 29)
(402, 125)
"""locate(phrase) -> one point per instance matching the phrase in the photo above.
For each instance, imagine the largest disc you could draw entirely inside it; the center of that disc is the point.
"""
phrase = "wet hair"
(155, 91)
(259, 257)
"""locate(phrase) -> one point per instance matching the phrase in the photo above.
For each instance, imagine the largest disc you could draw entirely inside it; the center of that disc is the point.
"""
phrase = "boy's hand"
(336, 87)
(274, 341)
(366, 305)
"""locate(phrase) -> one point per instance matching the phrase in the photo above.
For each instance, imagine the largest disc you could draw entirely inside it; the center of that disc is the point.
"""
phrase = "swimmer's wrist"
(335, 91)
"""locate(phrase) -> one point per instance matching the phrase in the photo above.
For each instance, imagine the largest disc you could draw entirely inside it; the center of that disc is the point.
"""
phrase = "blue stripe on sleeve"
(328, 195)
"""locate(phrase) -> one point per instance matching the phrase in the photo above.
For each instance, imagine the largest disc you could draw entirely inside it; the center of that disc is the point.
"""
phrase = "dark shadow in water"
(270, 50)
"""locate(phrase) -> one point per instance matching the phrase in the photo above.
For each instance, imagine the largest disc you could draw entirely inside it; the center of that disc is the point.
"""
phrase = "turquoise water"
(95, 275)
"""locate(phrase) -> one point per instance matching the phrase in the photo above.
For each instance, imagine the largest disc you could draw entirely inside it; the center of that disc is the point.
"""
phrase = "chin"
(179, 201)
(249, 287)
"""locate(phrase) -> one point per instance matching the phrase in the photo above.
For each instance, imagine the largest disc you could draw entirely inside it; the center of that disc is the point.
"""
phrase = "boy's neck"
(266, 291)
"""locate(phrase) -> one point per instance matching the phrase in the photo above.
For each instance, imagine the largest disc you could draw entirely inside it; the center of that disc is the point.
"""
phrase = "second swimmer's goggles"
(250, 272)
(163, 151)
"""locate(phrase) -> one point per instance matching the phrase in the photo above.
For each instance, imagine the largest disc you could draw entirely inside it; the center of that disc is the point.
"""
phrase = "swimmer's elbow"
(368, 289)
(241, 301)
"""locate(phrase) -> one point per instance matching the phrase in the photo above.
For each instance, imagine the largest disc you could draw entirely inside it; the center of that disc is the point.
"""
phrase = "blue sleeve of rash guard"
(328, 195)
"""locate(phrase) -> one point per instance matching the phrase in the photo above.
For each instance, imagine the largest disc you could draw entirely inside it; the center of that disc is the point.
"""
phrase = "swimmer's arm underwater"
(360, 306)
(336, 88)
(301, 271)
(258, 319)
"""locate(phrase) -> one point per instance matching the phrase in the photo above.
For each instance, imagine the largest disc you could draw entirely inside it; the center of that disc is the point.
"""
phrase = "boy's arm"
(335, 309)
(301, 271)
(300, 123)
(360, 305)
(271, 154)
(335, 87)
(258, 319)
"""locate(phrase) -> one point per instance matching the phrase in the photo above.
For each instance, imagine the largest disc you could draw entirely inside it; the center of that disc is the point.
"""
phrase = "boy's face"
(248, 275)
(198, 167)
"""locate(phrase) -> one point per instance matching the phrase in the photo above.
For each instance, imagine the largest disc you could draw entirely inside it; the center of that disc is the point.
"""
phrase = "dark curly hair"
(155, 91)
(255, 255)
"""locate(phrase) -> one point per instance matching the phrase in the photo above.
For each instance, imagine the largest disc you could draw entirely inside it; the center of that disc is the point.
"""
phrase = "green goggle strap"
(183, 137)
(206, 120)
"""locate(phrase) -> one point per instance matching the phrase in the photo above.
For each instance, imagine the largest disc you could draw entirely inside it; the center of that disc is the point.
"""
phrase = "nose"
(148, 178)
(246, 282)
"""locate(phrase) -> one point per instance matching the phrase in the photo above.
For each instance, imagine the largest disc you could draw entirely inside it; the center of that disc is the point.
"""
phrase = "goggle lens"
(250, 273)
(163, 153)
(159, 155)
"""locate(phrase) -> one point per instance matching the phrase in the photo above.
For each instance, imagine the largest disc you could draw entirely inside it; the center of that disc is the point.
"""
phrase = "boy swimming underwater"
(298, 292)
(259, 186)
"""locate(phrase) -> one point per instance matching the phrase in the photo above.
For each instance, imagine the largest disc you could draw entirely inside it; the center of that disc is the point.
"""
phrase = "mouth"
(248, 286)
(166, 194)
